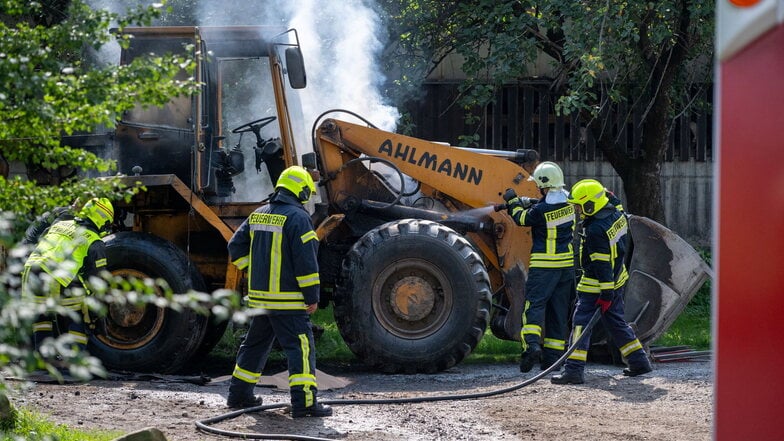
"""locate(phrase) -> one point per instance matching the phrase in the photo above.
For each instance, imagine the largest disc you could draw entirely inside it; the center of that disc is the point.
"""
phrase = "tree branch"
(644, 44)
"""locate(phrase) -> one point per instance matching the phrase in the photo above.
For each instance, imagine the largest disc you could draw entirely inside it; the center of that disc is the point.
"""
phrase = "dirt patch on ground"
(674, 402)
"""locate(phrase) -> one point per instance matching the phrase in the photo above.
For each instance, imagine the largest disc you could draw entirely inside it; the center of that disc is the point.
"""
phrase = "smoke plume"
(341, 43)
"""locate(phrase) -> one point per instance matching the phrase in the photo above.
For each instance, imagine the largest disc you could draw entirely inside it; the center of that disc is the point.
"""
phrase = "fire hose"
(205, 425)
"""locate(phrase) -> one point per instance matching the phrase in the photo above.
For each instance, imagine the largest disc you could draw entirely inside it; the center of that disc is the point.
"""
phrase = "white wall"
(687, 189)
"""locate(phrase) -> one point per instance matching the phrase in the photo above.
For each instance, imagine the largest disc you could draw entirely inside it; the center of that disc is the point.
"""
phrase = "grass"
(494, 350)
(692, 328)
(34, 426)
(329, 346)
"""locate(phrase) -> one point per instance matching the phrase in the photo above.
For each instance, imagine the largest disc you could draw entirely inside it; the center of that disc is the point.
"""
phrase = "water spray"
(504, 206)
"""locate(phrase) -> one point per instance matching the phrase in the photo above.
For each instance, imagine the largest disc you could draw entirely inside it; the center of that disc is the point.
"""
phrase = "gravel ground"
(674, 402)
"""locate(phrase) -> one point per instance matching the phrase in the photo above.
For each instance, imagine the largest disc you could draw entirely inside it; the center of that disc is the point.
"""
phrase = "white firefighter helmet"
(548, 175)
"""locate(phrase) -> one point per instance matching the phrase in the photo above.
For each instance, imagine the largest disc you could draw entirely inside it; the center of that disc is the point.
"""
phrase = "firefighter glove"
(605, 300)
(509, 195)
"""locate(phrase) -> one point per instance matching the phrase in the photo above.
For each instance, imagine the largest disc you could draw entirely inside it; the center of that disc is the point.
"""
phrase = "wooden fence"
(523, 116)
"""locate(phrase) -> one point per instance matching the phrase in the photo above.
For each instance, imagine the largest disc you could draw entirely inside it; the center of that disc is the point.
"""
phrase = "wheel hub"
(412, 298)
(130, 326)
(126, 315)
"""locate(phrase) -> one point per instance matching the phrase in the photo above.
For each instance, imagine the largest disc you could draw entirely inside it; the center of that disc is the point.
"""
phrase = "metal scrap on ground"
(281, 380)
(678, 353)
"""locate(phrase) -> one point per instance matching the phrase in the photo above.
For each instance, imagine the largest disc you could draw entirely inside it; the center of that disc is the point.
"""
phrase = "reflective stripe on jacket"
(552, 231)
(62, 250)
(602, 251)
(279, 247)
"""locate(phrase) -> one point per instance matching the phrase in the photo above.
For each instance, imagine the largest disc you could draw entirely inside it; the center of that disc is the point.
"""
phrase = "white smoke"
(339, 38)
(341, 47)
(109, 53)
(340, 43)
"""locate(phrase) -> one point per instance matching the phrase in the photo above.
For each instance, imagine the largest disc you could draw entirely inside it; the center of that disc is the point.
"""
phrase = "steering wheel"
(254, 126)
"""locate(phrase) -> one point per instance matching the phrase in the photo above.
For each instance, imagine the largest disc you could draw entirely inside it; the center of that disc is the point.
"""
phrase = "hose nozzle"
(499, 207)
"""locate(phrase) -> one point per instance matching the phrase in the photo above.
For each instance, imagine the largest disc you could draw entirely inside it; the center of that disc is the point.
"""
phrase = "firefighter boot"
(638, 369)
(568, 377)
(317, 410)
(244, 402)
(241, 395)
(299, 400)
(530, 357)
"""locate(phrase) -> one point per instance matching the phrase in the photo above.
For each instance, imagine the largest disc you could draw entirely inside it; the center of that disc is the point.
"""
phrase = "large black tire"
(414, 297)
(212, 336)
(149, 339)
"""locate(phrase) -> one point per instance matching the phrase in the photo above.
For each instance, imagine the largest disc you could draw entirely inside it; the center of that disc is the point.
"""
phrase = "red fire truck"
(749, 220)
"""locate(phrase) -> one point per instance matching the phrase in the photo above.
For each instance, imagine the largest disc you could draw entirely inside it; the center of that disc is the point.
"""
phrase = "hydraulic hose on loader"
(204, 425)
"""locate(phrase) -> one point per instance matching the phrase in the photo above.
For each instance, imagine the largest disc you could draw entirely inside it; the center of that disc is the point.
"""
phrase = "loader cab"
(242, 72)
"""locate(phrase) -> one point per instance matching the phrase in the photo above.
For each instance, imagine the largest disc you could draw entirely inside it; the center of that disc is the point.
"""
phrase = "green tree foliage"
(48, 89)
(17, 355)
(651, 56)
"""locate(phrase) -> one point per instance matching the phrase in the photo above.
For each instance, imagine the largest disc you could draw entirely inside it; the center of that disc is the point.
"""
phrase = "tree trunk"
(640, 175)
(643, 189)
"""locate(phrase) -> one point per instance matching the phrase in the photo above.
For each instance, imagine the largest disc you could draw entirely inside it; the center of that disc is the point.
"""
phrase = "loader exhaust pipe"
(459, 221)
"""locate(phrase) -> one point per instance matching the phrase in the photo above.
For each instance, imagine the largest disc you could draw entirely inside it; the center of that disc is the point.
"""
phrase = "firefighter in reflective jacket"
(44, 221)
(278, 246)
(602, 252)
(550, 285)
(59, 267)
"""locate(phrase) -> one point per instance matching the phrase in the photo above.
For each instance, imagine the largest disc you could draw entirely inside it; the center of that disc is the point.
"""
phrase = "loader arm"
(460, 181)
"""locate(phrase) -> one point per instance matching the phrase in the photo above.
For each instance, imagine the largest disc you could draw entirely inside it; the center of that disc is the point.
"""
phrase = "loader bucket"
(664, 274)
